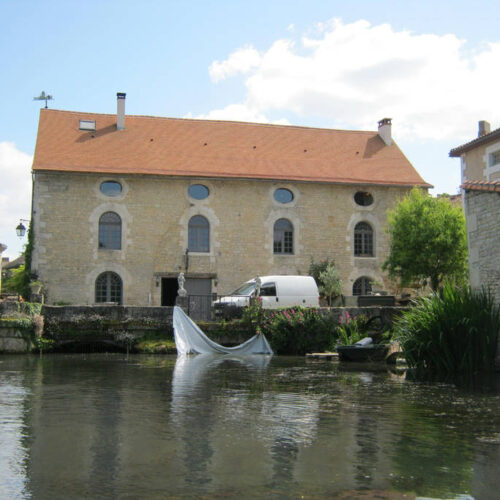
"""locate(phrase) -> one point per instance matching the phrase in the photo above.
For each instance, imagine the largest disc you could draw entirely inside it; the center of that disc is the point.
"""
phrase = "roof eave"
(459, 150)
(199, 175)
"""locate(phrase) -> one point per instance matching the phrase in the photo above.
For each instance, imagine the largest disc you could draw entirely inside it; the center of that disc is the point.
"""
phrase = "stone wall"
(155, 212)
(482, 210)
(66, 322)
(15, 339)
(483, 231)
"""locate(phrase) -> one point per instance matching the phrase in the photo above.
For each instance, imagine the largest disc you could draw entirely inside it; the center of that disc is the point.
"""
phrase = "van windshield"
(245, 289)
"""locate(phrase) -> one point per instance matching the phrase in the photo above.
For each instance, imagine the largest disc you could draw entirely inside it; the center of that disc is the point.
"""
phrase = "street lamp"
(21, 228)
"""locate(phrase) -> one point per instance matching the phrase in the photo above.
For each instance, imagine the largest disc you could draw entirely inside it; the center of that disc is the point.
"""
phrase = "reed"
(452, 331)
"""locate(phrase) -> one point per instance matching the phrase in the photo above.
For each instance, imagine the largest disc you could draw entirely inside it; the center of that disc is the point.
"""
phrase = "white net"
(189, 339)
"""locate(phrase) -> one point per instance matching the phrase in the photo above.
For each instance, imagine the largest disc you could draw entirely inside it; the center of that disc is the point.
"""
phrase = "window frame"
(364, 285)
(198, 235)
(283, 237)
(364, 240)
(111, 181)
(365, 198)
(112, 279)
(283, 189)
(110, 232)
(191, 186)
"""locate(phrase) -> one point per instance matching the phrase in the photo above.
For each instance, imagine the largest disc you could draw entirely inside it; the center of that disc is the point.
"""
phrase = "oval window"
(363, 198)
(111, 188)
(198, 191)
(283, 195)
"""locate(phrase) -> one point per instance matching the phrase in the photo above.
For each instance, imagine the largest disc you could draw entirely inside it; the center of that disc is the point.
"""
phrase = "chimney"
(120, 110)
(384, 130)
(484, 128)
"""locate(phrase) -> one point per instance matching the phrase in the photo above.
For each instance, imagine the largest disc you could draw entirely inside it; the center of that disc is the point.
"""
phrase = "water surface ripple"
(111, 426)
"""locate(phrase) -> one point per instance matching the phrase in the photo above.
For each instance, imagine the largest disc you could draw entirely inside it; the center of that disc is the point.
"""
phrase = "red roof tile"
(493, 186)
(207, 148)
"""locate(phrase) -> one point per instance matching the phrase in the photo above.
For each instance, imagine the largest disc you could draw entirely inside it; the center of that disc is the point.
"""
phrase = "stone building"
(480, 161)
(482, 212)
(480, 158)
(122, 204)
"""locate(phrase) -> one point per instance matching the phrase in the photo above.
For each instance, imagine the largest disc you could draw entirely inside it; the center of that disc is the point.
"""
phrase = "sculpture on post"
(181, 292)
(182, 296)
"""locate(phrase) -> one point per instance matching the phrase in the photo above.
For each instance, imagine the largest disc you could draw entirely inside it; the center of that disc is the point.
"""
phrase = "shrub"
(455, 331)
(298, 330)
(351, 330)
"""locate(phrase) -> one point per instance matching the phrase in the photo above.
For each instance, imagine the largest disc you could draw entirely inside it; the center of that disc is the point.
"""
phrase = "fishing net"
(189, 339)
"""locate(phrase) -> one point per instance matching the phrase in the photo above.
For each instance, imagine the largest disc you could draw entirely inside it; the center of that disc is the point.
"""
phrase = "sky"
(431, 66)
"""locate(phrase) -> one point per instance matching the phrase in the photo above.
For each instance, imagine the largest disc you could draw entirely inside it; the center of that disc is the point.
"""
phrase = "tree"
(331, 285)
(327, 278)
(427, 240)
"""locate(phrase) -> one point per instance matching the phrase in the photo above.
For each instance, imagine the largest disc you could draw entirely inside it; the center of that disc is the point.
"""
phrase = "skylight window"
(87, 125)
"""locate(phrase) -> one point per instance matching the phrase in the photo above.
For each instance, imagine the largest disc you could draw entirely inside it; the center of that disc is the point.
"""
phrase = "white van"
(274, 291)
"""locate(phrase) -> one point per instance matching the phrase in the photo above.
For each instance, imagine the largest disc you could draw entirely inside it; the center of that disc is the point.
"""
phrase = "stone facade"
(155, 212)
(482, 210)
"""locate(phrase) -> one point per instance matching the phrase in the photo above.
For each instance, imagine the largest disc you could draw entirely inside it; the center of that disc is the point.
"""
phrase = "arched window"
(198, 234)
(362, 286)
(363, 240)
(110, 231)
(108, 288)
(283, 237)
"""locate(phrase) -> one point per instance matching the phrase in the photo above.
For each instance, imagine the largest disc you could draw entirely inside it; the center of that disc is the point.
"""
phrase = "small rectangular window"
(494, 158)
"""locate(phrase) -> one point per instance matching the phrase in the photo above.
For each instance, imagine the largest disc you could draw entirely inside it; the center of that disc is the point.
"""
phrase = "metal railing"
(200, 307)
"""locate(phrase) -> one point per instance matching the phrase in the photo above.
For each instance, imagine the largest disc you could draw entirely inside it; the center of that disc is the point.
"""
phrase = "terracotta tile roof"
(205, 148)
(493, 186)
(479, 141)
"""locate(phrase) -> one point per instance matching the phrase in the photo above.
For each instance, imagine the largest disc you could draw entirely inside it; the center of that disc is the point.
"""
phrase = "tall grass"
(454, 331)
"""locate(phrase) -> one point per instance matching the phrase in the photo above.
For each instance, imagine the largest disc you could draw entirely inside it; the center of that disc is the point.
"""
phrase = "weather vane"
(43, 97)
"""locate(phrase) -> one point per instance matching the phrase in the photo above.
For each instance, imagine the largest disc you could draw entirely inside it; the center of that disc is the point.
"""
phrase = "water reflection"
(104, 426)
(13, 454)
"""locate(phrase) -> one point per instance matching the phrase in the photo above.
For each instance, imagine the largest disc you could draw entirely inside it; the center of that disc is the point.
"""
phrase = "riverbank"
(128, 328)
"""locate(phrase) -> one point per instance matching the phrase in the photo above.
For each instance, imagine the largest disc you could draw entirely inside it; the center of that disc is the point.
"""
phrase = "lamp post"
(21, 228)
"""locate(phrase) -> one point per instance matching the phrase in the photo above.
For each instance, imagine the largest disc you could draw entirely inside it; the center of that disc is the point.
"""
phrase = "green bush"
(351, 330)
(454, 331)
(298, 330)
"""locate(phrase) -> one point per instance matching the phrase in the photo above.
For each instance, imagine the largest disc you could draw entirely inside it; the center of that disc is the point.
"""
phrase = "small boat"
(364, 350)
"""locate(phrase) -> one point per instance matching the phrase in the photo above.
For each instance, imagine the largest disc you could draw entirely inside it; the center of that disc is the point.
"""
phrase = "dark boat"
(364, 350)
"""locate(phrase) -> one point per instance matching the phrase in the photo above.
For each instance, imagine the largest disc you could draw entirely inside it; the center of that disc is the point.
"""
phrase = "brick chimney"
(120, 110)
(484, 128)
(385, 130)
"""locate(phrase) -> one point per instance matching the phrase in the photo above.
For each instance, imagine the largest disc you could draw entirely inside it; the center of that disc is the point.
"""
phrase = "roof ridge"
(210, 120)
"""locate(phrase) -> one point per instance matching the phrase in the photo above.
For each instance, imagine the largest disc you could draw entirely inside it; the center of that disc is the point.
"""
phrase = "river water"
(112, 426)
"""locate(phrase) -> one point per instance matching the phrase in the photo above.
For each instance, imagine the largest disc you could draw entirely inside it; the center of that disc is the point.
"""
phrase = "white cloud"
(15, 194)
(354, 74)
(238, 112)
(241, 61)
